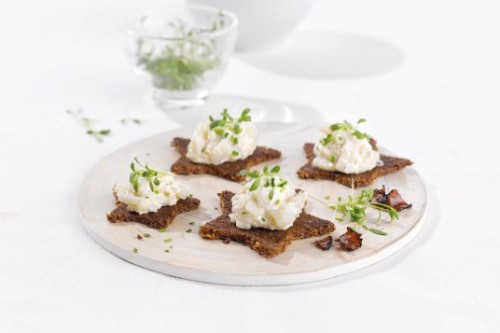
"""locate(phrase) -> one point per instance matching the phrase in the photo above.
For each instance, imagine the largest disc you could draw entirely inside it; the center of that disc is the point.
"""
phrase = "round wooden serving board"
(212, 261)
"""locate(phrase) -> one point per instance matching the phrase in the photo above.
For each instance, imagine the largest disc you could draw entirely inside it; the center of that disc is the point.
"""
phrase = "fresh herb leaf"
(354, 209)
(255, 184)
(348, 127)
(227, 124)
(271, 194)
(147, 173)
(86, 123)
(275, 170)
(327, 140)
(245, 116)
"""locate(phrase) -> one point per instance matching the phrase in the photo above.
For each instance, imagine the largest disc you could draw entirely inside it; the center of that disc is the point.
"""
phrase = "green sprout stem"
(354, 210)
(86, 123)
(151, 175)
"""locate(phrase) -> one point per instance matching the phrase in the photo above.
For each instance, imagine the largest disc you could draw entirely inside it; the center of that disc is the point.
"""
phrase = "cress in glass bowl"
(184, 50)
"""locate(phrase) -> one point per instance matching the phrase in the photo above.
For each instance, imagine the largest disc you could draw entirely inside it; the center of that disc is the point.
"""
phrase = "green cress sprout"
(98, 135)
(354, 210)
(180, 65)
(227, 121)
(348, 127)
(227, 126)
(267, 178)
(151, 175)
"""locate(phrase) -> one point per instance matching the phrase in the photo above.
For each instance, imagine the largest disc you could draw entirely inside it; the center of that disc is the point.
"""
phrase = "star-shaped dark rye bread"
(228, 170)
(391, 165)
(160, 219)
(267, 243)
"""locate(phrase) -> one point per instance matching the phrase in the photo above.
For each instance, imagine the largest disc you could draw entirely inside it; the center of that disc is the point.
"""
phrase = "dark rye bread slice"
(160, 219)
(267, 243)
(228, 170)
(391, 165)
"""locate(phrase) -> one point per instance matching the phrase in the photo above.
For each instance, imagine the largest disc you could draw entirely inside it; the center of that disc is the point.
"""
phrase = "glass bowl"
(184, 50)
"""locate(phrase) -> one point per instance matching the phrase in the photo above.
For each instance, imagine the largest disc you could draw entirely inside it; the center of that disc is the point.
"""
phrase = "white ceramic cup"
(263, 23)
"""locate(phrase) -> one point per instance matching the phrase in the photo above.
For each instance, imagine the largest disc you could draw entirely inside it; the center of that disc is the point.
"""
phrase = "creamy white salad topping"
(267, 201)
(148, 189)
(216, 141)
(345, 149)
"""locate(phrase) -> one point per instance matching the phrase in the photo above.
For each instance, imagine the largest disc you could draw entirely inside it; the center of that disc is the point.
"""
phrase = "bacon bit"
(139, 237)
(393, 199)
(351, 240)
(325, 243)
(379, 195)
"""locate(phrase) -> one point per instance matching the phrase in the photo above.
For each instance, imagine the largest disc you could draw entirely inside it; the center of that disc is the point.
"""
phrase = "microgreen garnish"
(229, 127)
(151, 175)
(147, 235)
(348, 127)
(135, 250)
(327, 140)
(354, 209)
(167, 240)
(162, 230)
(126, 121)
(182, 64)
(191, 223)
(98, 135)
(189, 230)
(268, 178)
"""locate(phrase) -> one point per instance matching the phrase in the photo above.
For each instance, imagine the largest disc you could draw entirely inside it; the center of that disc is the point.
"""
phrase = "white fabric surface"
(440, 106)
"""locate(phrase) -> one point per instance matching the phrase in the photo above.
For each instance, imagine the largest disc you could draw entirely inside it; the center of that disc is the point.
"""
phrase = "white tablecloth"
(425, 73)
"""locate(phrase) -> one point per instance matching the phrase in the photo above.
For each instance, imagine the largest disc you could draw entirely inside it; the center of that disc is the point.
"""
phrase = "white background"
(425, 73)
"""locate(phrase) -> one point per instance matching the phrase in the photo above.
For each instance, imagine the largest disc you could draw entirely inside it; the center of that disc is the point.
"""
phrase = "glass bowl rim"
(131, 27)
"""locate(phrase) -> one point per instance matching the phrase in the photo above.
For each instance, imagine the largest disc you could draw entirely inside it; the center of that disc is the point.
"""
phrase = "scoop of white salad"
(149, 189)
(345, 149)
(216, 141)
(267, 201)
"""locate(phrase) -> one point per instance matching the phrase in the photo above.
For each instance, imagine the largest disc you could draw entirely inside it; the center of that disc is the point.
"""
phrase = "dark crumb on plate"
(393, 199)
(139, 237)
(350, 241)
(325, 243)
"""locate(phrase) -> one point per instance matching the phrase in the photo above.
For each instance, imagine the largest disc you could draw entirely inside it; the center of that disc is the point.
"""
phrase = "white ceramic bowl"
(263, 23)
